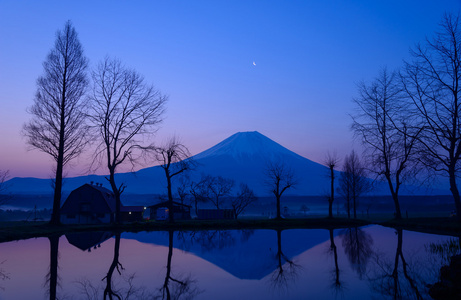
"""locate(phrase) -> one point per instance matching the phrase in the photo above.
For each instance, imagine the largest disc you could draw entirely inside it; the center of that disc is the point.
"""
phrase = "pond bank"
(10, 231)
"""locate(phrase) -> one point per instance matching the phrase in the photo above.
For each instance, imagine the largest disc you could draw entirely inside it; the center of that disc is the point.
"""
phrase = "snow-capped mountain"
(242, 157)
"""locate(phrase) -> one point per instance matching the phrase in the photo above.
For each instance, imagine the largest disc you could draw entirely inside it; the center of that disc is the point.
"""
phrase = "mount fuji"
(242, 157)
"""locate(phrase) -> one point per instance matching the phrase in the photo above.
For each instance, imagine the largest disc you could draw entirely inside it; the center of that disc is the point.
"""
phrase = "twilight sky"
(308, 55)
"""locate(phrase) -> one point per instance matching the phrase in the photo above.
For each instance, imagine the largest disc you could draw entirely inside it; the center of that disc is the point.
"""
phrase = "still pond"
(358, 263)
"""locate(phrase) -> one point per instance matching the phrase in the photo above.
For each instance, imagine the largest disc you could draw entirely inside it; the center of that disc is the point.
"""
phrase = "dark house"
(160, 211)
(94, 204)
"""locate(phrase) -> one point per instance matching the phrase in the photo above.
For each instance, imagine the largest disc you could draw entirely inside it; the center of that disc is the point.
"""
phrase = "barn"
(94, 204)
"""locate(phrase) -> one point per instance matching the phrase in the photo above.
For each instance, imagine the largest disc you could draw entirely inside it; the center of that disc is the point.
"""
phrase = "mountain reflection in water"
(353, 263)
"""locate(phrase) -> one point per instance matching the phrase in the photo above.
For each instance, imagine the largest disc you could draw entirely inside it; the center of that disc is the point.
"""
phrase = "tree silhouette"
(337, 284)
(200, 192)
(175, 287)
(52, 276)
(58, 113)
(331, 160)
(219, 188)
(386, 130)
(175, 159)
(278, 179)
(286, 271)
(357, 245)
(109, 292)
(432, 82)
(387, 281)
(352, 182)
(124, 109)
(243, 199)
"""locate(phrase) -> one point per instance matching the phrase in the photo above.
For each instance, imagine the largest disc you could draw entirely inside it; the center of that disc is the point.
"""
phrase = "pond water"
(357, 263)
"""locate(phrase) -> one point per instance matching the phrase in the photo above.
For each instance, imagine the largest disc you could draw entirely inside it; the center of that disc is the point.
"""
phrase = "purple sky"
(309, 55)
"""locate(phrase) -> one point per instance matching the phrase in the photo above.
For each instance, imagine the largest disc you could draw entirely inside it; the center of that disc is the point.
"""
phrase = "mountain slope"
(242, 157)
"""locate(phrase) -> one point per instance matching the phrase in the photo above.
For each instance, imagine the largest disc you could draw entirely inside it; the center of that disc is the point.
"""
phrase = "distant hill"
(242, 157)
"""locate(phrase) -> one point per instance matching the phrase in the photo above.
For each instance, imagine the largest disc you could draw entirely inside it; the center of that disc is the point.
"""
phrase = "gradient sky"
(309, 56)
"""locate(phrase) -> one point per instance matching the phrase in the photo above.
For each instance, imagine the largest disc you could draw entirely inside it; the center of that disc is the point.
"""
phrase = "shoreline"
(20, 230)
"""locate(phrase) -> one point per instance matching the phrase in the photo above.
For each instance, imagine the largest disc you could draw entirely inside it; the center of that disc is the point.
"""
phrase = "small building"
(94, 204)
(161, 211)
(215, 214)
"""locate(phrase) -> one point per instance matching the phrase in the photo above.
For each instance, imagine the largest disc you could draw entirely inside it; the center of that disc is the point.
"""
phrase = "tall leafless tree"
(386, 131)
(175, 159)
(279, 178)
(219, 188)
(353, 182)
(432, 82)
(331, 160)
(245, 196)
(58, 113)
(199, 191)
(124, 110)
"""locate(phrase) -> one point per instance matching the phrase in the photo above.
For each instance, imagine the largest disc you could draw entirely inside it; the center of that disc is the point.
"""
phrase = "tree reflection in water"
(113, 289)
(52, 276)
(357, 245)
(287, 270)
(337, 286)
(387, 280)
(176, 287)
(116, 265)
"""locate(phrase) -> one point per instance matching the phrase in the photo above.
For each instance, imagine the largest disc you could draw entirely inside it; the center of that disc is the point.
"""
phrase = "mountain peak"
(246, 143)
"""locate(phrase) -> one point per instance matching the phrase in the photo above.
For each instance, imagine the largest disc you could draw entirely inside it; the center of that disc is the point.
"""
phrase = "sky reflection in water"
(251, 264)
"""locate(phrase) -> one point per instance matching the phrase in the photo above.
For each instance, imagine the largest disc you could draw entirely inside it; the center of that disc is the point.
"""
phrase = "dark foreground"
(10, 231)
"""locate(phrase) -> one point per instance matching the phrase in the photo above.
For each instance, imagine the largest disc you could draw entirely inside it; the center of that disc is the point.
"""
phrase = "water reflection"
(177, 287)
(52, 276)
(387, 279)
(449, 284)
(357, 245)
(337, 286)
(286, 271)
(371, 262)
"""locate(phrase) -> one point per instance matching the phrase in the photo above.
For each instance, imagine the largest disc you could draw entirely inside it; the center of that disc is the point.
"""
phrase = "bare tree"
(219, 187)
(199, 191)
(244, 198)
(331, 160)
(386, 131)
(124, 110)
(353, 182)
(279, 178)
(183, 189)
(58, 113)
(175, 159)
(432, 82)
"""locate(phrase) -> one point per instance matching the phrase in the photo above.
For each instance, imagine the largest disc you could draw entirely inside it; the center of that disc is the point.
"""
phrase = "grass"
(10, 231)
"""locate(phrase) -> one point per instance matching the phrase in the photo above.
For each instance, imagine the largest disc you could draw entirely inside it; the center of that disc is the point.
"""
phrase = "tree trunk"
(279, 216)
(170, 197)
(56, 215)
(332, 193)
(118, 217)
(54, 249)
(454, 190)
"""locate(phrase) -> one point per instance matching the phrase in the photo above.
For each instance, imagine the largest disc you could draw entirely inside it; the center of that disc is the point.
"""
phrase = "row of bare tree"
(409, 120)
(114, 109)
